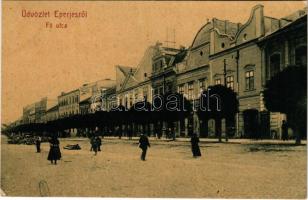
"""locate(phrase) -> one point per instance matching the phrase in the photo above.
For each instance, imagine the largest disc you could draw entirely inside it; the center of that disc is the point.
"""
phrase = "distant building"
(109, 99)
(35, 112)
(69, 103)
(84, 106)
(52, 114)
(135, 84)
(91, 95)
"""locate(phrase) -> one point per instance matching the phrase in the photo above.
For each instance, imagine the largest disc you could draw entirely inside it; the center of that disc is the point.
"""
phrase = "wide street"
(239, 169)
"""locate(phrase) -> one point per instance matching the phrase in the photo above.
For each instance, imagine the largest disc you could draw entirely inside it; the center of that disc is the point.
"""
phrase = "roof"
(180, 56)
(85, 101)
(126, 70)
(54, 108)
(288, 26)
(106, 83)
(66, 93)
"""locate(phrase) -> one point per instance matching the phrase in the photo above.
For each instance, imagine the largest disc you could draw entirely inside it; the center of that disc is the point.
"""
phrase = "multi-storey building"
(35, 112)
(109, 99)
(52, 114)
(134, 84)
(69, 103)
(194, 73)
(91, 95)
(29, 114)
(163, 76)
(251, 53)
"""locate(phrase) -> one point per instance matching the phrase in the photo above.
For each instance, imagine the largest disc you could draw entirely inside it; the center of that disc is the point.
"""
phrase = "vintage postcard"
(154, 99)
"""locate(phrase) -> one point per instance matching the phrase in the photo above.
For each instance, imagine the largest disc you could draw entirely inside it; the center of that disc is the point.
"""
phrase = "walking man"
(143, 144)
(38, 144)
(94, 144)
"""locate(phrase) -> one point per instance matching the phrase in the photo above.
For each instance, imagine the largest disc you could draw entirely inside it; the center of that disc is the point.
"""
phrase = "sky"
(39, 61)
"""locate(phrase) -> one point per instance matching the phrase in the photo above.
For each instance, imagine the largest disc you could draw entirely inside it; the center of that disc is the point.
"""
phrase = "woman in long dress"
(54, 152)
(195, 145)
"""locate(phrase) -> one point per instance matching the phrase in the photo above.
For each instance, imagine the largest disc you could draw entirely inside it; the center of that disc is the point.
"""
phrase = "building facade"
(35, 112)
(52, 114)
(69, 103)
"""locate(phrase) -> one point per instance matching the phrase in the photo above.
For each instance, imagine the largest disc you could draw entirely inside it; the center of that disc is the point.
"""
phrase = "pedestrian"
(94, 144)
(91, 142)
(99, 143)
(284, 128)
(54, 152)
(143, 144)
(195, 145)
(38, 144)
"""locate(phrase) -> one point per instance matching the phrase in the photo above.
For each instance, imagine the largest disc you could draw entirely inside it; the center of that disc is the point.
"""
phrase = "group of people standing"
(96, 143)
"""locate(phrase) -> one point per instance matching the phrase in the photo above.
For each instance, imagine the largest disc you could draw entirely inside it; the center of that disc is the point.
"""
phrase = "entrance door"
(251, 124)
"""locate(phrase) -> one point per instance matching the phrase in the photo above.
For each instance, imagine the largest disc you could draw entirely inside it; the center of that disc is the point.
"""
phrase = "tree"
(119, 115)
(170, 108)
(286, 92)
(141, 113)
(218, 102)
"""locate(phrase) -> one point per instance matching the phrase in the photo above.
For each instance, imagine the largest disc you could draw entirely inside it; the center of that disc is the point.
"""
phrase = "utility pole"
(238, 88)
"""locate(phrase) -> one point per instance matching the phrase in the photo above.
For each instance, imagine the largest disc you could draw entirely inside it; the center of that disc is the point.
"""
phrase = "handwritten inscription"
(55, 14)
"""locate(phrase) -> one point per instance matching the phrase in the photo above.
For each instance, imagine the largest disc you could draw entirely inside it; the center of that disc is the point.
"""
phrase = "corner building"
(251, 53)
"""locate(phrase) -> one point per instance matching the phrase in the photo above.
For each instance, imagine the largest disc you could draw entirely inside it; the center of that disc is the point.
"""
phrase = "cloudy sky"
(38, 61)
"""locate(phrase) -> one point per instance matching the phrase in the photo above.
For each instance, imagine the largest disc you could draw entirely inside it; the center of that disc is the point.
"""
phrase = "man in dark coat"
(143, 144)
(195, 145)
(38, 144)
(54, 152)
(94, 144)
(284, 128)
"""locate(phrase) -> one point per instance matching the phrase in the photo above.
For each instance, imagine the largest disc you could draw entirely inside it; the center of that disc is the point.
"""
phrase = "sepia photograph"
(154, 99)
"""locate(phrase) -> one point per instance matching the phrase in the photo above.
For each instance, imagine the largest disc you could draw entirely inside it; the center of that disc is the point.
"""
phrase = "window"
(130, 100)
(217, 81)
(202, 85)
(126, 102)
(181, 89)
(201, 53)
(301, 56)
(249, 80)
(274, 64)
(222, 45)
(145, 93)
(136, 96)
(230, 82)
(190, 90)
